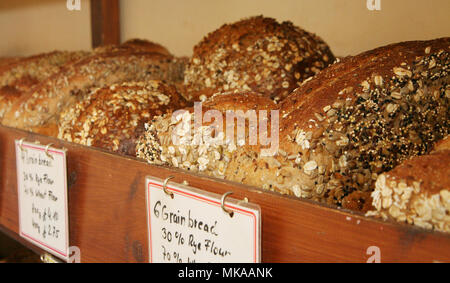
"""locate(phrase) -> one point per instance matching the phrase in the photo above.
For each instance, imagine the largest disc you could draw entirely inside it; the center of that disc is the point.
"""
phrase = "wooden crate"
(107, 214)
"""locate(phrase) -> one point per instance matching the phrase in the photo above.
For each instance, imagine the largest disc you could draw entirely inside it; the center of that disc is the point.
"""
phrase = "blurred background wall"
(32, 26)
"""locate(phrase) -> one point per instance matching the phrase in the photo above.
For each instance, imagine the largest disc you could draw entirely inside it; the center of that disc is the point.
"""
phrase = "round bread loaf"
(38, 109)
(416, 192)
(257, 54)
(179, 140)
(112, 117)
(22, 74)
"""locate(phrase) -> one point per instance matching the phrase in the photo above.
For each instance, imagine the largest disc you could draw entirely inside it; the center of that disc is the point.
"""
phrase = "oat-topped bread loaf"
(41, 106)
(112, 117)
(257, 54)
(20, 75)
(135, 45)
(194, 140)
(416, 192)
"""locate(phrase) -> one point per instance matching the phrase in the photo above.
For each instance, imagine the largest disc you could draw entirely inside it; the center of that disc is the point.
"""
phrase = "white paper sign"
(42, 194)
(192, 227)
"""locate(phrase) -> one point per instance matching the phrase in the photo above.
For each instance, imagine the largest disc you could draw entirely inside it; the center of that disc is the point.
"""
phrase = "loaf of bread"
(22, 74)
(338, 131)
(8, 60)
(41, 106)
(257, 54)
(134, 45)
(112, 117)
(416, 192)
(178, 140)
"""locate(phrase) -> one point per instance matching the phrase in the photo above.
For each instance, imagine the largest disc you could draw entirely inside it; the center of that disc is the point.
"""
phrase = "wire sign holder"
(186, 225)
(42, 195)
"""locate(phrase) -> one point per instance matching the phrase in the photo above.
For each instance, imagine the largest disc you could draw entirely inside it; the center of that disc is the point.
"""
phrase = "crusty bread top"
(38, 66)
(46, 100)
(416, 192)
(257, 54)
(109, 116)
(135, 45)
(8, 60)
(432, 171)
(209, 155)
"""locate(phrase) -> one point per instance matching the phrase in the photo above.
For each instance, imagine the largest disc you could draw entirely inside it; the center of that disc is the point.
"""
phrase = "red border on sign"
(39, 243)
(202, 199)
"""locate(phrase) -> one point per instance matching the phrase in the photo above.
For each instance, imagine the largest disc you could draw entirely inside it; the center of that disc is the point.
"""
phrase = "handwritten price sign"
(192, 227)
(42, 194)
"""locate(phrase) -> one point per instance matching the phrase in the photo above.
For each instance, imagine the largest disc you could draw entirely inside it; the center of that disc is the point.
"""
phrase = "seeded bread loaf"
(416, 192)
(354, 120)
(257, 54)
(112, 117)
(359, 118)
(41, 106)
(175, 140)
(22, 74)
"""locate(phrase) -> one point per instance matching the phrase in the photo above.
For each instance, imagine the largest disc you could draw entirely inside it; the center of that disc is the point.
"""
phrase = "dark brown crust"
(123, 110)
(21, 75)
(135, 45)
(432, 171)
(257, 54)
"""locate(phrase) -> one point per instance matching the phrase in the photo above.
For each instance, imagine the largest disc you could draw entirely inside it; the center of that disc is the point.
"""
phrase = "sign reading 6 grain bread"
(187, 225)
(42, 195)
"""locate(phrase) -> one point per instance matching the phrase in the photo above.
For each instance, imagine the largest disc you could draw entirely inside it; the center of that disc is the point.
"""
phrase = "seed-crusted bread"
(41, 106)
(22, 74)
(112, 117)
(134, 45)
(416, 192)
(257, 54)
(175, 140)
(363, 116)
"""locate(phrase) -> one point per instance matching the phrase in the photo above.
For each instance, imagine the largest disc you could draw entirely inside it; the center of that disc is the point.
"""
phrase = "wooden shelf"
(107, 214)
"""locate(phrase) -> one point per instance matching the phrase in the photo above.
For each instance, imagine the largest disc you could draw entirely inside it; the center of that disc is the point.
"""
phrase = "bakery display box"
(108, 222)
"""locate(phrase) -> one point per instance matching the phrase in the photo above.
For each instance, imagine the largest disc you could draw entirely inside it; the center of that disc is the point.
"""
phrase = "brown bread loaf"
(416, 192)
(41, 106)
(257, 54)
(112, 117)
(170, 139)
(22, 74)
